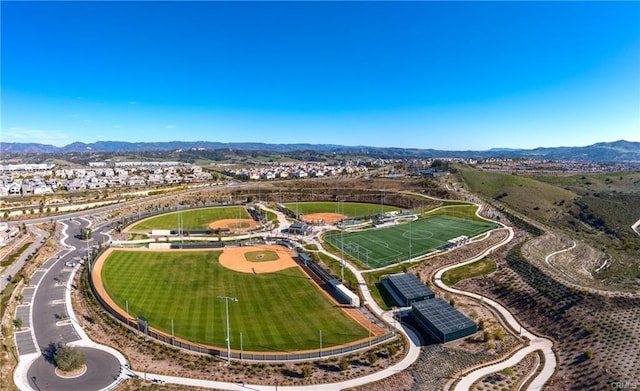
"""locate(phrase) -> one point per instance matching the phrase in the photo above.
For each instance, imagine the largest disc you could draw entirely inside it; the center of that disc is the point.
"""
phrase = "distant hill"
(618, 151)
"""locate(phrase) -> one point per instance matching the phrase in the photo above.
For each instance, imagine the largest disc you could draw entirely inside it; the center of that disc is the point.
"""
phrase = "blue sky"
(443, 75)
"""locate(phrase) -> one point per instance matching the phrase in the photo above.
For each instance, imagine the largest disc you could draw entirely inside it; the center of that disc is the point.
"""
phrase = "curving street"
(49, 318)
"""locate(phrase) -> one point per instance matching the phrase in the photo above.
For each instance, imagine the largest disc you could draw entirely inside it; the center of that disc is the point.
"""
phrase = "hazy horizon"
(428, 75)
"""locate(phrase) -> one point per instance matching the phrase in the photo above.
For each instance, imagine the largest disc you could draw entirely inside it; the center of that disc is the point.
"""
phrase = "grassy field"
(379, 293)
(280, 311)
(537, 199)
(463, 211)
(598, 209)
(349, 209)
(192, 219)
(386, 246)
(475, 269)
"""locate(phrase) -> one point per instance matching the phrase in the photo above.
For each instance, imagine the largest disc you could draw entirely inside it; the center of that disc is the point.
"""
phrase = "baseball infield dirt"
(235, 224)
(233, 258)
(323, 218)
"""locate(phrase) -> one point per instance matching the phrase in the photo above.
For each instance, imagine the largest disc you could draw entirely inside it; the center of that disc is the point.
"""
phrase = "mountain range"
(617, 151)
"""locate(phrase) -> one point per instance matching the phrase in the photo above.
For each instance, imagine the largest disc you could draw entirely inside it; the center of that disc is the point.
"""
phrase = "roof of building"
(442, 315)
(410, 286)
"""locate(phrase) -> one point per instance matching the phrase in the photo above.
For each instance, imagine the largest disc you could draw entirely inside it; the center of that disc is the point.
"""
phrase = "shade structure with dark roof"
(299, 228)
(441, 320)
(407, 288)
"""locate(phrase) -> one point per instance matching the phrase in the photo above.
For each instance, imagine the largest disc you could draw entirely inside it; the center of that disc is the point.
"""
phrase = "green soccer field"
(385, 246)
(275, 312)
(191, 219)
(349, 209)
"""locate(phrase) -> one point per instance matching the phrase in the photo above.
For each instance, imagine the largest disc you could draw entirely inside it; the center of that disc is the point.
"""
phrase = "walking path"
(413, 346)
(535, 342)
(548, 261)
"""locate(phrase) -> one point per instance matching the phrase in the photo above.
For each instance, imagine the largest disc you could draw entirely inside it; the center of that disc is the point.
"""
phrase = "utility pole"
(228, 339)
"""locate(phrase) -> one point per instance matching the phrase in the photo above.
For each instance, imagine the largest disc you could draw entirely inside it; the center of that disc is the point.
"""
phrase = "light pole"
(410, 258)
(226, 301)
(342, 244)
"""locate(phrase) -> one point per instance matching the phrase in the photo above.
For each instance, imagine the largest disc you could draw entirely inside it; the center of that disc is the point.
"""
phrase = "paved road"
(45, 305)
(50, 324)
(14, 268)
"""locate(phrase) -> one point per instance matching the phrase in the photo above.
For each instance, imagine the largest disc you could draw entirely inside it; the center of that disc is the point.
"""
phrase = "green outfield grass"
(192, 219)
(275, 312)
(385, 246)
(349, 209)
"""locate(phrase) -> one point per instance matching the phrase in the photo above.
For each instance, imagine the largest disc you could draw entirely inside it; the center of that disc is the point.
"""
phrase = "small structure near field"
(442, 321)
(299, 229)
(343, 294)
(459, 241)
(407, 289)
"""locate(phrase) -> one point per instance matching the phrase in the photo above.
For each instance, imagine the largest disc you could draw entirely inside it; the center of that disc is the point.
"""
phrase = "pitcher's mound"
(236, 259)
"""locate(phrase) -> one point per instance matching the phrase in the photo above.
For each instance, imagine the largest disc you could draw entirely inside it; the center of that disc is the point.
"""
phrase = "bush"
(498, 335)
(68, 358)
(486, 336)
(372, 357)
(306, 371)
(344, 364)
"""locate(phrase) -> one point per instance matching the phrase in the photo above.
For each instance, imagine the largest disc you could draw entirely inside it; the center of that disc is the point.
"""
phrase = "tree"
(68, 358)
(17, 323)
(372, 357)
(85, 233)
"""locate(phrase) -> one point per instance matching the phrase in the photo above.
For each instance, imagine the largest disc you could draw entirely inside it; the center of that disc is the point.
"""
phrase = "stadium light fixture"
(228, 339)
